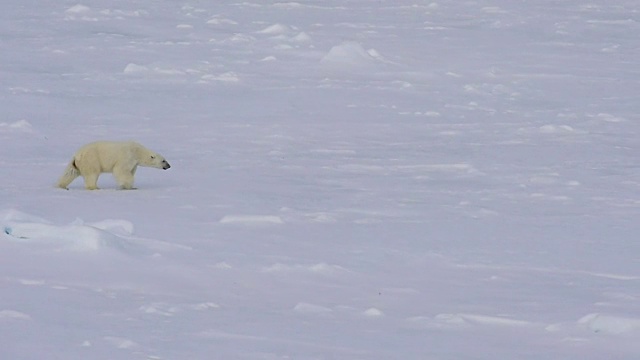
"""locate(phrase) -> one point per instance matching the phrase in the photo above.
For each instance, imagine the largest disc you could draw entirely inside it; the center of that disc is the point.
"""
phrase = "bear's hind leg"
(91, 182)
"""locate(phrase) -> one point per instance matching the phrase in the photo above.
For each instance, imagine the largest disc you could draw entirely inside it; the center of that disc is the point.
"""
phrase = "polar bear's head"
(146, 157)
(151, 159)
(157, 161)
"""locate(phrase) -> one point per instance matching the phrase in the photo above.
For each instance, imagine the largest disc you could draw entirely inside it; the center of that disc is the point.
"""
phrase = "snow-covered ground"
(350, 179)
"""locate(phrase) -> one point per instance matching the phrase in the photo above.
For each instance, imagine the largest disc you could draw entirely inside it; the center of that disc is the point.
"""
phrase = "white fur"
(119, 158)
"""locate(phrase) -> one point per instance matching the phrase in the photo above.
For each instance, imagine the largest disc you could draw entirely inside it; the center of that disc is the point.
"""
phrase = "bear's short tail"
(70, 174)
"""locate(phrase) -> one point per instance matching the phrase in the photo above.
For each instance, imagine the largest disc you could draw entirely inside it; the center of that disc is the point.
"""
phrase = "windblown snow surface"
(350, 179)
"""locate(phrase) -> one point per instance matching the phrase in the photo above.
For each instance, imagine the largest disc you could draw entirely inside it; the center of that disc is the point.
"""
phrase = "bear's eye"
(153, 157)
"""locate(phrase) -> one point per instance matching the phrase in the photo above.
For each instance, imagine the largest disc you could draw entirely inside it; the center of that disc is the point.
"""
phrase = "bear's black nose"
(166, 166)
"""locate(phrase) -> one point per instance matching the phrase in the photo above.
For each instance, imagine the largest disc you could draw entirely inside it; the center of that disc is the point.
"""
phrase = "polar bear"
(119, 158)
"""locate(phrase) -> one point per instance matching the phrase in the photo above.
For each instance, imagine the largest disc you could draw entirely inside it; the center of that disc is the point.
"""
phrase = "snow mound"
(117, 227)
(275, 29)
(221, 21)
(77, 236)
(351, 53)
(373, 313)
(556, 129)
(251, 220)
(284, 33)
(79, 12)
(228, 77)
(269, 58)
(78, 9)
(12, 314)
(16, 215)
(608, 324)
(320, 269)
(121, 343)
(143, 70)
(610, 118)
(135, 69)
(301, 38)
(18, 126)
(287, 5)
(71, 237)
(307, 308)
(475, 319)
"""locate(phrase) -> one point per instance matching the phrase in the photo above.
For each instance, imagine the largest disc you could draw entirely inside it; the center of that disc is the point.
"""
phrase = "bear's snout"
(165, 165)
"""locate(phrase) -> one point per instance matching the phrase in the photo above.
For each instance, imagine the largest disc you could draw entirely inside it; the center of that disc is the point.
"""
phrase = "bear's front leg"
(124, 178)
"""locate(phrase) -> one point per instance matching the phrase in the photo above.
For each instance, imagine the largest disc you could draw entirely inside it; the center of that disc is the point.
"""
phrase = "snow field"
(349, 180)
